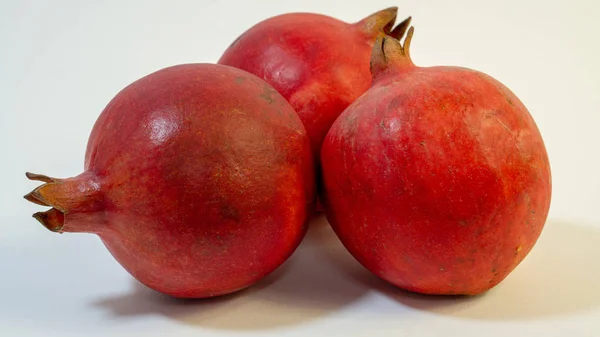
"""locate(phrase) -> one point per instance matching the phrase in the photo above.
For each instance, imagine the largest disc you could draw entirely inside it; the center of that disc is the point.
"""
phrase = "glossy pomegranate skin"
(318, 63)
(198, 179)
(436, 179)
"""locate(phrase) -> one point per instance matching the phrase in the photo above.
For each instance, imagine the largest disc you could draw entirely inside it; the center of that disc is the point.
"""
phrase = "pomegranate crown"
(389, 53)
(75, 203)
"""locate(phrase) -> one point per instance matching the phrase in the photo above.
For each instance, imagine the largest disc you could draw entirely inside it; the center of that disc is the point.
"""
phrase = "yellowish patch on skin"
(519, 248)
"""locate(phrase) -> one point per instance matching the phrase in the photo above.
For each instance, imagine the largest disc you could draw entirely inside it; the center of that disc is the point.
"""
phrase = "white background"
(62, 61)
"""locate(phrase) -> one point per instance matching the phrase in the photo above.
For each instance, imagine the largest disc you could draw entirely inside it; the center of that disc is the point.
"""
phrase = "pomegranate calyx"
(390, 54)
(78, 197)
(378, 22)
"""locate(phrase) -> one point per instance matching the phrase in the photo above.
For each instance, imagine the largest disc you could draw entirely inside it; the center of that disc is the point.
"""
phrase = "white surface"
(62, 61)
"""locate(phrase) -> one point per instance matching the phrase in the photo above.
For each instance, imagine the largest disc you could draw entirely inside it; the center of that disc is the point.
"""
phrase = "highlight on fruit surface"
(198, 178)
(318, 63)
(437, 178)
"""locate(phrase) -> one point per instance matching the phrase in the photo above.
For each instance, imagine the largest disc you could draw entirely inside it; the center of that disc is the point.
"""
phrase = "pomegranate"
(436, 179)
(198, 179)
(318, 63)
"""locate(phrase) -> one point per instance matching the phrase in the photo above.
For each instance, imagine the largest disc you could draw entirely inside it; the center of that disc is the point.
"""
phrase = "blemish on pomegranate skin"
(267, 95)
(230, 212)
(396, 103)
(389, 126)
(504, 125)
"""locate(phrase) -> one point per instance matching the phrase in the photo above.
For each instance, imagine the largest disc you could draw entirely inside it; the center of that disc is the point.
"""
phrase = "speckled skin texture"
(436, 179)
(204, 180)
(318, 63)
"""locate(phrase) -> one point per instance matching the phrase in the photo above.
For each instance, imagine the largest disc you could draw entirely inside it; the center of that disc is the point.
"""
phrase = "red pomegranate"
(318, 63)
(198, 179)
(436, 179)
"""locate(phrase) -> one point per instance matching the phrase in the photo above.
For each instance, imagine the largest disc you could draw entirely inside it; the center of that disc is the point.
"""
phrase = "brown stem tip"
(399, 31)
(389, 53)
(32, 197)
(39, 177)
(379, 22)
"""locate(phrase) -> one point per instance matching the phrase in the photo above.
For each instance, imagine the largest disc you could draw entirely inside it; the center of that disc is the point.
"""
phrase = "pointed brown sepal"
(379, 22)
(52, 219)
(32, 198)
(40, 177)
(399, 31)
